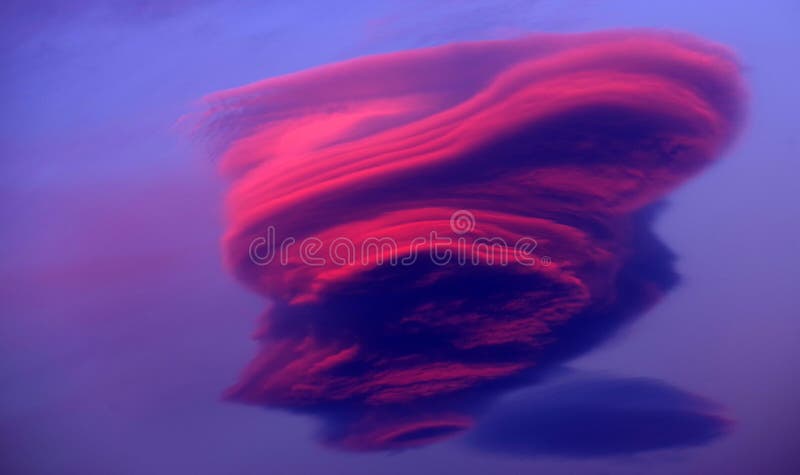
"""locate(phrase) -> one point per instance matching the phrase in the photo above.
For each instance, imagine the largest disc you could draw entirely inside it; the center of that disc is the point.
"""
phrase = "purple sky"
(119, 328)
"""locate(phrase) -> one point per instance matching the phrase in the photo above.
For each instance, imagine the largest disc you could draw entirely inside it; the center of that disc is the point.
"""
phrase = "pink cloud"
(567, 139)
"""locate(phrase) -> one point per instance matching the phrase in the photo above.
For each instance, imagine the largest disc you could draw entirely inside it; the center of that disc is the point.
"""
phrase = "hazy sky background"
(119, 327)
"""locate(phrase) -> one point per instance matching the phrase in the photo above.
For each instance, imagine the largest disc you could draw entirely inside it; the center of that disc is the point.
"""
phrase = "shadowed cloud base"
(599, 416)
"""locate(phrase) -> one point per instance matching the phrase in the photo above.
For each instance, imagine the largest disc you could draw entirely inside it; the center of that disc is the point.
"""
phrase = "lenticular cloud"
(565, 140)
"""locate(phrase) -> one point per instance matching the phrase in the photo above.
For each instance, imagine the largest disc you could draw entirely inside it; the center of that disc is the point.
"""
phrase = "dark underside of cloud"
(598, 417)
(569, 140)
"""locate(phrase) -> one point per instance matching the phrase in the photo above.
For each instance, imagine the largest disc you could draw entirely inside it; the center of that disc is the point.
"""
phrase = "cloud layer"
(599, 416)
(569, 140)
